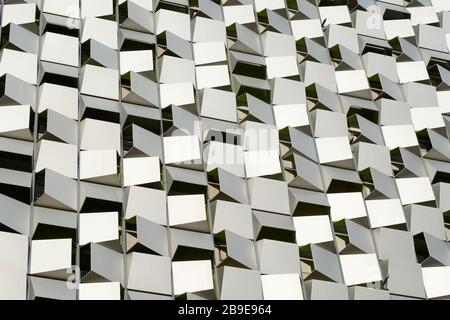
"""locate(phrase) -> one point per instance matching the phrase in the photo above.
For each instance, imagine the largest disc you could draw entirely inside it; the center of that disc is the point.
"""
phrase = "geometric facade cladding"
(214, 149)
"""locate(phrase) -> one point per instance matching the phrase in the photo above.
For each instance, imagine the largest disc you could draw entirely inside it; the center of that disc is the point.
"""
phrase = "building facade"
(214, 149)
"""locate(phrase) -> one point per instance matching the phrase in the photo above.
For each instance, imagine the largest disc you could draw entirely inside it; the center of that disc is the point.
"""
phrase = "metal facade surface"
(214, 149)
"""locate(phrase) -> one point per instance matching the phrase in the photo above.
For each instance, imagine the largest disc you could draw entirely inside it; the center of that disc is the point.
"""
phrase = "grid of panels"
(241, 149)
